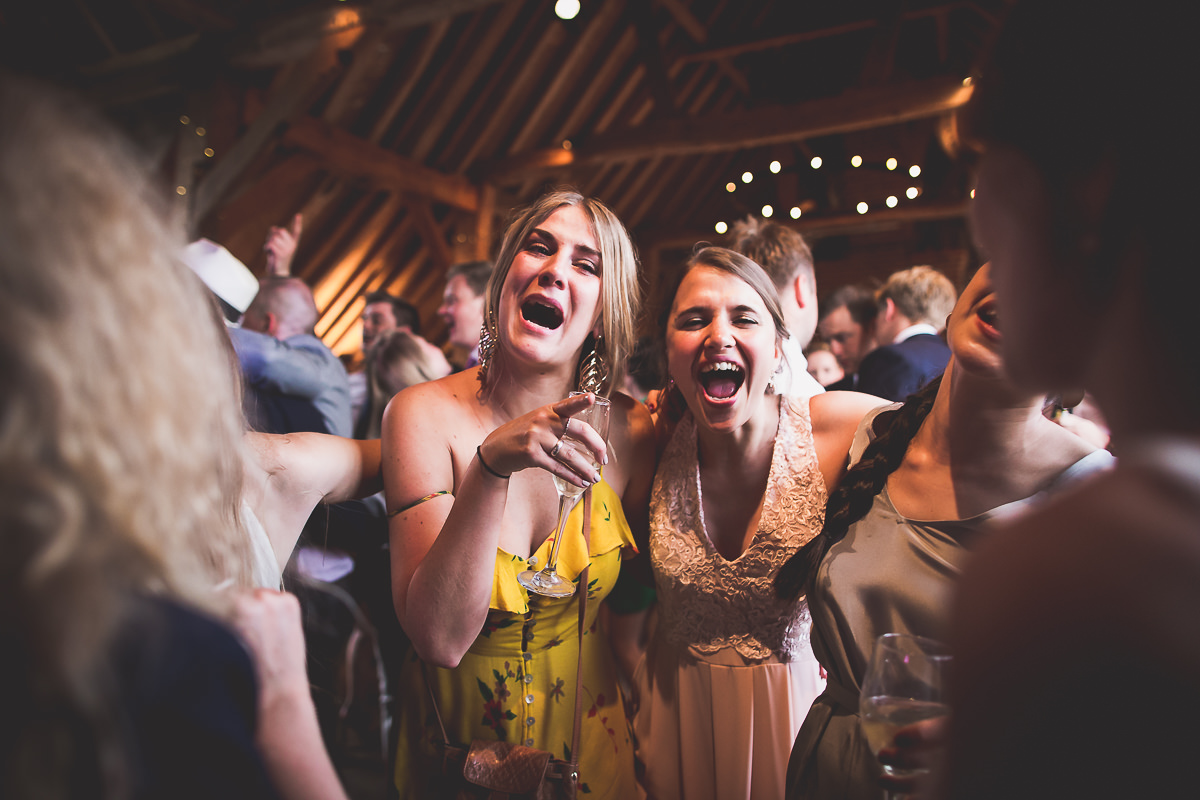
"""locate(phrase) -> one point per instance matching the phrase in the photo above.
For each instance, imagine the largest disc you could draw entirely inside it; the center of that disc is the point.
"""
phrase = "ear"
(889, 309)
(800, 290)
(272, 323)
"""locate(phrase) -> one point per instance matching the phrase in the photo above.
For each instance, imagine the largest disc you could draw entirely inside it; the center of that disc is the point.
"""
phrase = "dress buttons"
(526, 656)
(529, 721)
(528, 679)
(533, 561)
(529, 742)
(528, 699)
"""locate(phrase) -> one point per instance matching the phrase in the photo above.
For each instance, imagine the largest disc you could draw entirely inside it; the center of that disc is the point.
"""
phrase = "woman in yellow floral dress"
(467, 466)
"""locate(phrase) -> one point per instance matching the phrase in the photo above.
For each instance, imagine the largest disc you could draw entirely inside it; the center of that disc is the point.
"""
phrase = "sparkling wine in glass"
(548, 582)
(905, 683)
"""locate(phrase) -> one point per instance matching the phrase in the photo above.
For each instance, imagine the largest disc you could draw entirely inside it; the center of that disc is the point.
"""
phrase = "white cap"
(228, 278)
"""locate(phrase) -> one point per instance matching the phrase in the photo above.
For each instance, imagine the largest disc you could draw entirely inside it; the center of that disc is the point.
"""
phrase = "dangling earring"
(594, 371)
(487, 347)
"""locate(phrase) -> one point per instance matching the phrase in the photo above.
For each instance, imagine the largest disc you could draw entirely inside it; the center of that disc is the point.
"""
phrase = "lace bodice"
(708, 602)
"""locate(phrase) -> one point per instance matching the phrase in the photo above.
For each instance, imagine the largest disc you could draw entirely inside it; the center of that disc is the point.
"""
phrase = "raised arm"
(287, 475)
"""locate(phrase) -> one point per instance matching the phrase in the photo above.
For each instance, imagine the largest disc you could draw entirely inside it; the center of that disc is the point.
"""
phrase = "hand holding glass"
(905, 683)
(548, 582)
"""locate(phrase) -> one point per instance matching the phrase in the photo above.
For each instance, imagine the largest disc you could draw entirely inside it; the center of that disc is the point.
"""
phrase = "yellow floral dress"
(517, 681)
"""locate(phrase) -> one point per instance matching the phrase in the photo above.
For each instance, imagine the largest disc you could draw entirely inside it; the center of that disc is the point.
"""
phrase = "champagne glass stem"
(565, 504)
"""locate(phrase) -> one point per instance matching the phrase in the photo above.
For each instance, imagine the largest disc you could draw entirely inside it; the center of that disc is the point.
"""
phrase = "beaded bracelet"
(484, 464)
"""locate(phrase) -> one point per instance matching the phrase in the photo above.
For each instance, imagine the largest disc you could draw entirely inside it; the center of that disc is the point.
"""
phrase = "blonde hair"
(395, 362)
(120, 437)
(620, 294)
(921, 293)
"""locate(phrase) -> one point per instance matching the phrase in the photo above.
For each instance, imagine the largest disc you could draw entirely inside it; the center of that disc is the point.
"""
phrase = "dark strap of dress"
(583, 594)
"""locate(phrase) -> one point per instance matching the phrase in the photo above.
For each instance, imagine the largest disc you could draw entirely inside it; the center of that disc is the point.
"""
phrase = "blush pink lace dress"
(730, 674)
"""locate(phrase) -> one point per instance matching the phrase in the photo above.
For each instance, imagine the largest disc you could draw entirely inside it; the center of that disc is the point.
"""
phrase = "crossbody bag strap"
(583, 593)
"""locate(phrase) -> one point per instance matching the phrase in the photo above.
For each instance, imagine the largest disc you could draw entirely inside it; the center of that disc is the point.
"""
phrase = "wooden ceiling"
(406, 131)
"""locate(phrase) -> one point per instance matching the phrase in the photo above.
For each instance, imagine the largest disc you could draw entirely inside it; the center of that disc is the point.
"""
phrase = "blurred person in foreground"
(1077, 637)
(120, 490)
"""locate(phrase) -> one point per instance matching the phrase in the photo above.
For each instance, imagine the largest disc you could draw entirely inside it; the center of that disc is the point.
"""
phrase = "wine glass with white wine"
(547, 581)
(905, 683)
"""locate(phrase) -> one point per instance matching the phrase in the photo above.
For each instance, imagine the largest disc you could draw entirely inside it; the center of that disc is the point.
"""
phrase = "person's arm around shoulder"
(835, 418)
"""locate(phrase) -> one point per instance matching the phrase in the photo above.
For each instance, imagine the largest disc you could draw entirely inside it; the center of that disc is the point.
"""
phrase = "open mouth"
(721, 380)
(541, 313)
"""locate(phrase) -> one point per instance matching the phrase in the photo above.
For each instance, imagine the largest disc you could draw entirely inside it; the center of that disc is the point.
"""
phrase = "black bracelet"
(484, 464)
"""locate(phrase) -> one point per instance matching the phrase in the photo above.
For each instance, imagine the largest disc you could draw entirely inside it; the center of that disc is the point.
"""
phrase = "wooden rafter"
(855, 110)
(351, 156)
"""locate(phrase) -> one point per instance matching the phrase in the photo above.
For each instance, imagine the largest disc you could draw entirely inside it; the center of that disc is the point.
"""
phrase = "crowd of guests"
(779, 515)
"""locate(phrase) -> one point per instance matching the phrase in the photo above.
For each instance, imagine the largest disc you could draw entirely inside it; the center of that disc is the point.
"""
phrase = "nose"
(720, 334)
(554, 269)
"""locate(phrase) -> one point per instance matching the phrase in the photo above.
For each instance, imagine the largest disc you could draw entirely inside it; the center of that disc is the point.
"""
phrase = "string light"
(567, 9)
(972, 194)
(720, 227)
(184, 119)
(208, 152)
(200, 131)
(747, 177)
(566, 145)
(767, 210)
(914, 171)
(856, 161)
(862, 208)
(912, 193)
(795, 212)
(729, 187)
(180, 190)
(816, 162)
(892, 201)
(775, 167)
(891, 163)
(967, 81)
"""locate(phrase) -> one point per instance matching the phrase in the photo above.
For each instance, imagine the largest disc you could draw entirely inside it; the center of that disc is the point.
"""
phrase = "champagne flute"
(548, 582)
(905, 683)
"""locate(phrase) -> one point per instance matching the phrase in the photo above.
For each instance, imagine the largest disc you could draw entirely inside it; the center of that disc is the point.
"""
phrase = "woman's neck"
(514, 392)
(746, 450)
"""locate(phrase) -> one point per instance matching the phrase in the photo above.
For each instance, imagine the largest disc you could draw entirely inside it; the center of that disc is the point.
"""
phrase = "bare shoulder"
(838, 411)
(423, 426)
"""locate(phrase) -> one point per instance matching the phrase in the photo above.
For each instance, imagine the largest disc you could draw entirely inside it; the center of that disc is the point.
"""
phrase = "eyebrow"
(544, 234)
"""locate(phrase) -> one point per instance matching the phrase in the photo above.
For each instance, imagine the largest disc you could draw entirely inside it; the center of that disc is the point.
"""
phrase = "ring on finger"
(557, 445)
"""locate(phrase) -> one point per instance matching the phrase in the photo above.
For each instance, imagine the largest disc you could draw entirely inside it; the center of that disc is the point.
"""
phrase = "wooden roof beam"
(839, 224)
(350, 156)
(858, 109)
(783, 40)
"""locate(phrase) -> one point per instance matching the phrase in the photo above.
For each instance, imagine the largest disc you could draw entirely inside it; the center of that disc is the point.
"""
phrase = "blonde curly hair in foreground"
(120, 436)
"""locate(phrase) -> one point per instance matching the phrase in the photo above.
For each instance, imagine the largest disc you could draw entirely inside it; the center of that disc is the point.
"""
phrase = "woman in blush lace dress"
(741, 486)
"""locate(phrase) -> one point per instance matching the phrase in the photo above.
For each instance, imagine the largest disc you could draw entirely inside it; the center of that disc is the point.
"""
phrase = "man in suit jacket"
(912, 310)
(847, 324)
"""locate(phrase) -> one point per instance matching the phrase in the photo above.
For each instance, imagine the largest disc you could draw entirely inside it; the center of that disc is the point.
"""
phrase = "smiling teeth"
(722, 366)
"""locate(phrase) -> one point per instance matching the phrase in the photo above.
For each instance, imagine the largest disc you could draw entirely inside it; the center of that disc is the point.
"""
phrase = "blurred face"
(973, 331)
(1048, 324)
(722, 348)
(550, 300)
(377, 319)
(462, 310)
(824, 368)
(848, 341)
